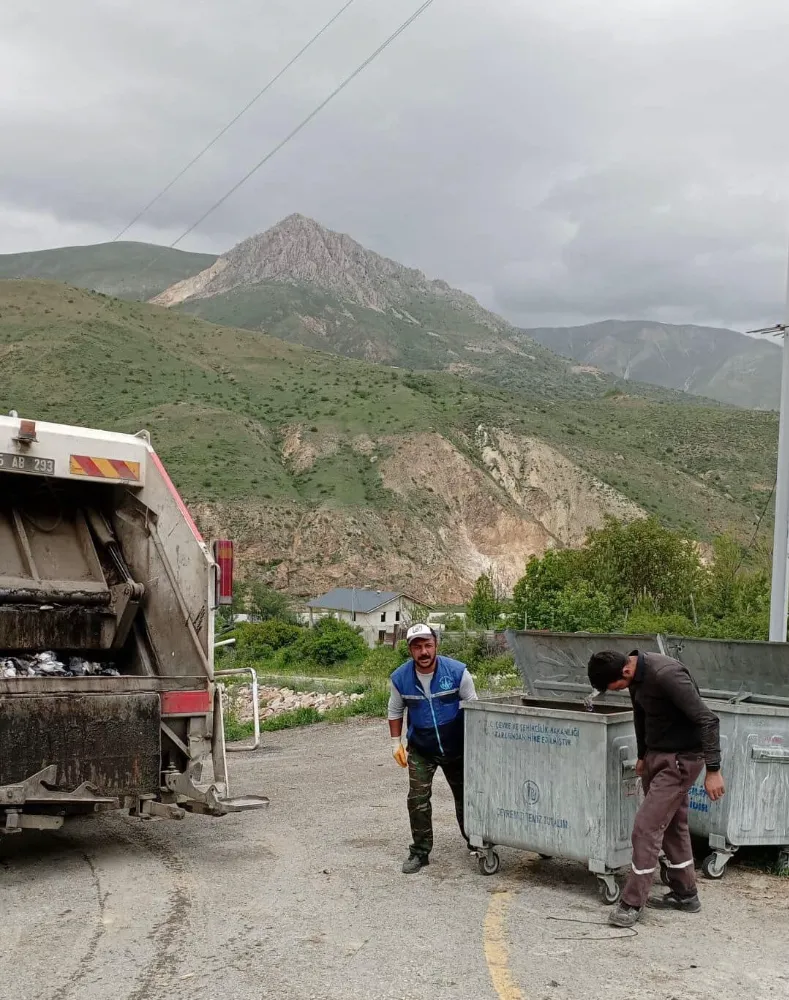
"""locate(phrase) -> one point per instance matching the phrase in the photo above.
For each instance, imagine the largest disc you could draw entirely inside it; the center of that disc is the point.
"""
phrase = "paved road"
(306, 901)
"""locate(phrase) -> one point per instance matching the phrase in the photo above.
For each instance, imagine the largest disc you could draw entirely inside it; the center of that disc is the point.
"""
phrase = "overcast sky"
(564, 161)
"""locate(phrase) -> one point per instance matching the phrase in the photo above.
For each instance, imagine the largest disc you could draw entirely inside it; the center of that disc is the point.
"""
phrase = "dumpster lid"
(743, 671)
(554, 663)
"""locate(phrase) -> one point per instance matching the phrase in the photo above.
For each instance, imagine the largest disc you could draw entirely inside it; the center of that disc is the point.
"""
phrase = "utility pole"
(779, 593)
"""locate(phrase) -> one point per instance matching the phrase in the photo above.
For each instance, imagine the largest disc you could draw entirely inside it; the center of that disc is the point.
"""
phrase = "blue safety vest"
(435, 724)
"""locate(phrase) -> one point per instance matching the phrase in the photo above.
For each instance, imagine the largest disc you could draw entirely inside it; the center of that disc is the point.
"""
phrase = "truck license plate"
(32, 464)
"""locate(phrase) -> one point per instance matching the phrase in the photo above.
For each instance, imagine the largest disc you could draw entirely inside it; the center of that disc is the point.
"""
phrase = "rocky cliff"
(456, 517)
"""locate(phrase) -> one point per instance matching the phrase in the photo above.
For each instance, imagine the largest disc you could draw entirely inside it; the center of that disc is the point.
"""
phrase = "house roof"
(356, 599)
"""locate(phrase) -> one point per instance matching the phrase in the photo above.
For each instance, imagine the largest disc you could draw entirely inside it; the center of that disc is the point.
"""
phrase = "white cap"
(419, 632)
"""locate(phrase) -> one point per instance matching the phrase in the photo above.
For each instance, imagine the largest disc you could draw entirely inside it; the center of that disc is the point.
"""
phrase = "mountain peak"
(298, 250)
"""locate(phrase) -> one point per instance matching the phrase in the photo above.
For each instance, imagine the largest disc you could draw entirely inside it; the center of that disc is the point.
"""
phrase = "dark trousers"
(662, 821)
(421, 771)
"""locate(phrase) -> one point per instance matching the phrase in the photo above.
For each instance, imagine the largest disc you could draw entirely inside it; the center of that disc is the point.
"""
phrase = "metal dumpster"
(545, 775)
(746, 685)
(752, 703)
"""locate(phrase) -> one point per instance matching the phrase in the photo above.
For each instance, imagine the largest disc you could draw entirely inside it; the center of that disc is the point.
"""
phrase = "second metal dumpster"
(755, 765)
(545, 775)
(746, 684)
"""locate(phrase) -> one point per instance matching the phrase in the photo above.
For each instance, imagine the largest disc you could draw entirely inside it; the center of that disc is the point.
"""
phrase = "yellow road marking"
(497, 954)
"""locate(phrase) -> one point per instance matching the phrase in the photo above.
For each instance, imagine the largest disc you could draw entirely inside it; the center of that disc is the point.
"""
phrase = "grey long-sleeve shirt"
(397, 705)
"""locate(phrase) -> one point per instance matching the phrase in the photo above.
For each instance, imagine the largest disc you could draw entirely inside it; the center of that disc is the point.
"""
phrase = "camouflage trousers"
(421, 771)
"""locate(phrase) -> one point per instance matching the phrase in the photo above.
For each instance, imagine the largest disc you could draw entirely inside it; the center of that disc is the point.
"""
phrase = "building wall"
(377, 624)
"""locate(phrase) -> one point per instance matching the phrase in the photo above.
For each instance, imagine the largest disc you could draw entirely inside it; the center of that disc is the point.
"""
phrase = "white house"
(381, 615)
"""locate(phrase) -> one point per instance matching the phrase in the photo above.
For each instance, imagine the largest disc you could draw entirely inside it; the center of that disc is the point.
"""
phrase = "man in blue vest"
(431, 688)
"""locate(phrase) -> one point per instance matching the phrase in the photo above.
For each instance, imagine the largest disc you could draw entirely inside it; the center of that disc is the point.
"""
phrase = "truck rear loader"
(102, 565)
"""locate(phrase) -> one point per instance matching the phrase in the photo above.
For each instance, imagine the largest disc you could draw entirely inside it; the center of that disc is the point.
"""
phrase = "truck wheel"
(712, 868)
(489, 864)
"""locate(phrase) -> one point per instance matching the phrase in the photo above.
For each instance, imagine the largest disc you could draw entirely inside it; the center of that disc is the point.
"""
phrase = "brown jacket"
(669, 713)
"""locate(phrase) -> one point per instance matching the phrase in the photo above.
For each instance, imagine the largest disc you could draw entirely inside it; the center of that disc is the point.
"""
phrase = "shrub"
(469, 649)
(494, 666)
(645, 621)
(260, 640)
(381, 661)
(330, 641)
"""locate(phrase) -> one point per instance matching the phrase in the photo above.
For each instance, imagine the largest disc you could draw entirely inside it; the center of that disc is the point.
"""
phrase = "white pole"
(779, 594)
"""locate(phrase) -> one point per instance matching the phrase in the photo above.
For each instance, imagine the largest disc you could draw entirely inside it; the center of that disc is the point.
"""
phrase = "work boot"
(413, 863)
(624, 915)
(672, 901)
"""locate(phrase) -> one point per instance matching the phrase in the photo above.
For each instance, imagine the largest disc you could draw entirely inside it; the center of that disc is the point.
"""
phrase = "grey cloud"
(564, 162)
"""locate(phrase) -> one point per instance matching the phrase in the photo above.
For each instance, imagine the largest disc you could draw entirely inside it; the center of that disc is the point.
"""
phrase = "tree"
(643, 561)
(543, 580)
(263, 602)
(642, 577)
(576, 607)
(484, 607)
(735, 603)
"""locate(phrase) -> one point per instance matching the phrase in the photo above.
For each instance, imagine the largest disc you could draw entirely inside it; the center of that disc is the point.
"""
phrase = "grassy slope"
(714, 362)
(128, 270)
(435, 337)
(426, 333)
(216, 399)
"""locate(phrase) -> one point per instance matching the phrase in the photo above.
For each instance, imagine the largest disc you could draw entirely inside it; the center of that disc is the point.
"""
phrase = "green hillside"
(124, 269)
(218, 399)
(704, 360)
(426, 334)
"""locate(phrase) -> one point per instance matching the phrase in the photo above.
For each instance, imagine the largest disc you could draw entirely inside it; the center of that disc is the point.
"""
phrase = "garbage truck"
(108, 698)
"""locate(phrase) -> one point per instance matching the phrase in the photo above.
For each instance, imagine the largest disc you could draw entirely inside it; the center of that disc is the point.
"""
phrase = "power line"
(745, 552)
(417, 13)
(233, 121)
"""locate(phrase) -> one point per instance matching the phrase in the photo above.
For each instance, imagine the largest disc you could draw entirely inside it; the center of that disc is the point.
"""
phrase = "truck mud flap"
(109, 741)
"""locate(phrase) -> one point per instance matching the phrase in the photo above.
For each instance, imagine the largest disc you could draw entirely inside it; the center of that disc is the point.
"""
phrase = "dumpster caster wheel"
(545, 857)
(489, 863)
(664, 875)
(782, 868)
(609, 892)
(712, 867)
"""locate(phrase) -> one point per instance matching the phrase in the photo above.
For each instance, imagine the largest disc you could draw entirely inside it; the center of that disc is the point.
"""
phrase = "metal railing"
(253, 683)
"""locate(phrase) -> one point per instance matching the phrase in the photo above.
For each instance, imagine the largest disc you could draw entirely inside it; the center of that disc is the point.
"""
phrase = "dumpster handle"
(778, 755)
(253, 683)
(629, 765)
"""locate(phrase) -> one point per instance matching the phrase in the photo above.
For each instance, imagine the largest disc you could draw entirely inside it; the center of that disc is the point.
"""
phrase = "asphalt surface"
(305, 900)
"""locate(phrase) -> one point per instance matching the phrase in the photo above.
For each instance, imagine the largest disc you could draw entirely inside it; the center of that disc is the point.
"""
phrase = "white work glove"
(398, 751)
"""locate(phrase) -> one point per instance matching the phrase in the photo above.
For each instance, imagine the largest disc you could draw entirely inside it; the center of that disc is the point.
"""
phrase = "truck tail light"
(223, 553)
(27, 432)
